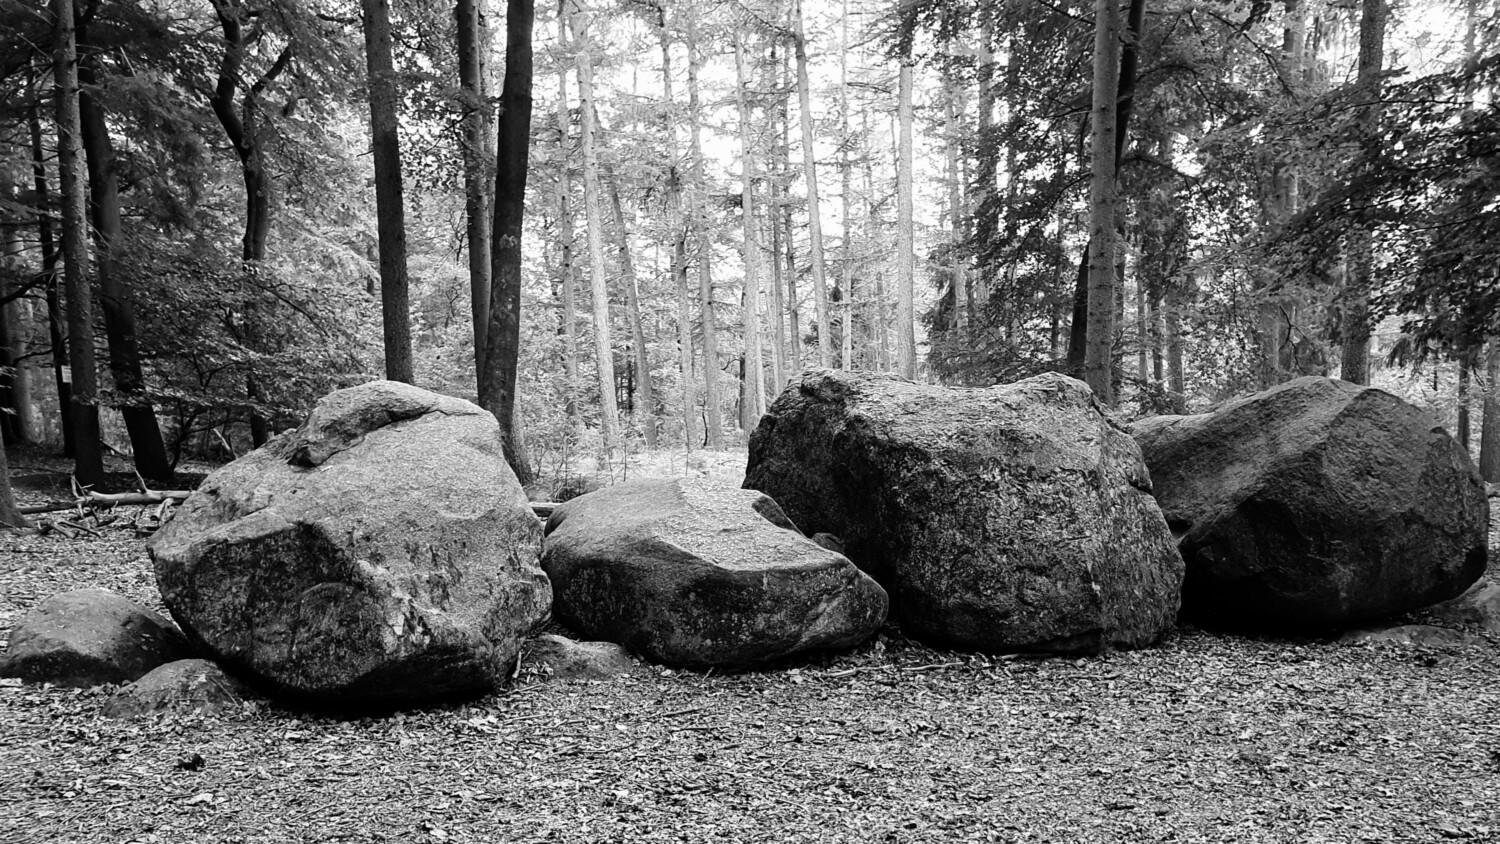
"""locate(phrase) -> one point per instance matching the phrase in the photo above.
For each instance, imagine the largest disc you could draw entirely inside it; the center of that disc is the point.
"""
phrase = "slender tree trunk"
(1463, 398)
(906, 251)
(1142, 330)
(567, 239)
(781, 166)
(753, 390)
(952, 143)
(810, 175)
(55, 323)
(1100, 337)
(678, 228)
(390, 202)
(846, 197)
(502, 350)
(641, 353)
(472, 40)
(709, 321)
(115, 296)
(1354, 328)
(603, 347)
(15, 392)
(1124, 106)
(88, 454)
(1176, 381)
(1489, 432)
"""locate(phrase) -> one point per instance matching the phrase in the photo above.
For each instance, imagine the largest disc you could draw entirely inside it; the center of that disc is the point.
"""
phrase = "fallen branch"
(103, 500)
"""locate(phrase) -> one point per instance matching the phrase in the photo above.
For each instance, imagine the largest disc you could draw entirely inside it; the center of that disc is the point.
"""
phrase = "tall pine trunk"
(1489, 432)
(846, 194)
(603, 347)
(639, 352)
(470, 20)
(88, 457)
(713, 420)
(1099, 341)
(502, 349)
(390, 202)
(810, 175)
(906, 251)
(567, 241)
(752, 393)
(679, 232)
(1359, 281)
(55, 320)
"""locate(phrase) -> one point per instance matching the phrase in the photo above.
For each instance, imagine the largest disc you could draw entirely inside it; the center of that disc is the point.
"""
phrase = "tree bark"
(1354, 323)
(502, 351)
(810, 176)
(567, 240)
(55, 321)
(1099, 341)
(1489, 432)
(906, 251)
(678, 229)
(603, 347)
(713, 420)
(10, 515)
(641, 354)
(1124, 105)
(846, 194)
(1463, 397)
(115, 296)
(84, 413)
(470, 15)
(753, 387)
(390, 202)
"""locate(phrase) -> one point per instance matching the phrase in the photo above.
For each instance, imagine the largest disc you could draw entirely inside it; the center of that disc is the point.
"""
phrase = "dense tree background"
(1294, 185)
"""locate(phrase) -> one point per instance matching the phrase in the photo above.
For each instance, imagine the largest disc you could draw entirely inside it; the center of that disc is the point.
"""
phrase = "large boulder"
(382, 554)
(689, 572)
(1010, 518)
(1314, 504)
(87, 637)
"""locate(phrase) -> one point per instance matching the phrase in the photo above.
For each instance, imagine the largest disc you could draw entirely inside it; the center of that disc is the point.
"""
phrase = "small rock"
(1411, 635)
(87, 637)
(185, 685)
(1479, 608)
(566, 659)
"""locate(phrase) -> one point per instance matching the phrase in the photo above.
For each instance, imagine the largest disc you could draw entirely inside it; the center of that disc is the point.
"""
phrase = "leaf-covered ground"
(1205, 738)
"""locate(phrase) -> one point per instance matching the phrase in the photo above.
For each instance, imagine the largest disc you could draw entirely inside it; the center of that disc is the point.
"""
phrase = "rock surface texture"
(186, 685)
(689, 572)
(87, 637)
(1479, 607)
(561, 658)
(382, 554)
(1313, 504)
(1011, 518)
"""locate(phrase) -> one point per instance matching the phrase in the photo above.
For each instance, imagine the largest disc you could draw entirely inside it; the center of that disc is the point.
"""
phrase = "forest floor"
(1205, 738)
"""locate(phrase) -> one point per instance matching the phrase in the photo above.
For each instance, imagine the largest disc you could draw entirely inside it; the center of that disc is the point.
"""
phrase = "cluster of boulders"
(384, 554)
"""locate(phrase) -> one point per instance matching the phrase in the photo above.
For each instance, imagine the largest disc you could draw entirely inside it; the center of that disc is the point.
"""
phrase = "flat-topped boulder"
(1009, 518)
(88, 637)
(382, 554)
(1316, 504)
(689, 572)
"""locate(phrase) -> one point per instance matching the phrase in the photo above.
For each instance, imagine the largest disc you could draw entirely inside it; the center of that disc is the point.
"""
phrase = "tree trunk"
(1176, 381)
(1463, 398)
(1124, 105)
(957, 275)
(502, 350)
(641, 354)
(713, 421)
(1489, 432)
(1099, 341)
(471, 39)
(1354, 325)
(753, 387)
(10, 516)
(603, 348)
(567, 241)
(390, 207)
(88, 453)
(115, 296)
(55, 322)
(810, 175)
(678, 229)
(846, 188)
(906, 251)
